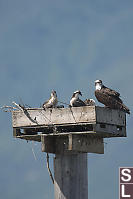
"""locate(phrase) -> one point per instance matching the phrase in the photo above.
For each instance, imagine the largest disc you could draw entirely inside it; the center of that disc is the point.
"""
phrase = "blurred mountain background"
(63, 45)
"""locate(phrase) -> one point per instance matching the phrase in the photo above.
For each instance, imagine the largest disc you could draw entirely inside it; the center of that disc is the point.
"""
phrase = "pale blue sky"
(63, 45)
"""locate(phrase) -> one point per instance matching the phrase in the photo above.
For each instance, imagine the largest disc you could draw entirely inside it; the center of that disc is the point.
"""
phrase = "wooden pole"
(71, 176)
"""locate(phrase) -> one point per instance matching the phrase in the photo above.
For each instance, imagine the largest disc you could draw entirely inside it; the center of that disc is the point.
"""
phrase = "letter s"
(126, 173)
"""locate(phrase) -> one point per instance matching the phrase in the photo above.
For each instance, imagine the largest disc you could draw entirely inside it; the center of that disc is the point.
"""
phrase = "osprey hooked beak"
(80, 93)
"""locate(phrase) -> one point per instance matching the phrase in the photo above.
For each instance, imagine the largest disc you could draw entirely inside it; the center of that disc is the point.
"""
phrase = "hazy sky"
(63, 45)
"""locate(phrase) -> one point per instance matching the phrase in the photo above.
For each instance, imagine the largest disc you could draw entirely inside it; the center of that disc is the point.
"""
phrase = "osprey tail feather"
(125, 108)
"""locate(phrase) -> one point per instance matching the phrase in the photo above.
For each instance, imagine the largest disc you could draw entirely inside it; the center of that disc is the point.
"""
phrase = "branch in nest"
(8, 108)
(12, 108)
(18, 106)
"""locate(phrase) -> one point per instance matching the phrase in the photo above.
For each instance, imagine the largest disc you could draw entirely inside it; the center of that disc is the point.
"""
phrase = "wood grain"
(75, 115)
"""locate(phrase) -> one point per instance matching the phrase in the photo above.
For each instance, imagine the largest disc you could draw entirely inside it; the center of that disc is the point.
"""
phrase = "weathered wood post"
(70, 135)
(71, 176)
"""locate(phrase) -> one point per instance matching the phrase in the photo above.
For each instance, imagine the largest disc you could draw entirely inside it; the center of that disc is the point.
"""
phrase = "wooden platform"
(82, 129)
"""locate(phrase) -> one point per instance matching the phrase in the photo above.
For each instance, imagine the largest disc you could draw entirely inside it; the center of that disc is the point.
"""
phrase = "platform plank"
(75, 115)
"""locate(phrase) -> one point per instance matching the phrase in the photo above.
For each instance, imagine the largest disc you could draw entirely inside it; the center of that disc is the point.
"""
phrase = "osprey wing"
(111, 92)
(47, 105)
(45, 102)
(78, 103)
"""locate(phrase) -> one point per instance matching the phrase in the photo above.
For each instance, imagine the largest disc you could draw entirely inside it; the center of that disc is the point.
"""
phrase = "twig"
(72, 114)
(22, 108)
(50, 173)
(18, 106)
(11, 108)
(8, 108)
(46, 117)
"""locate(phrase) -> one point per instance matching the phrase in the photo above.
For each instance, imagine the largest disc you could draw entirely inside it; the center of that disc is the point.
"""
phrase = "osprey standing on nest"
(75, 101)
(52, 102)
(110, 98)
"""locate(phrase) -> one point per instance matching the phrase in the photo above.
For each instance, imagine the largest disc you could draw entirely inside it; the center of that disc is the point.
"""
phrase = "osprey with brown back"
(110, 98)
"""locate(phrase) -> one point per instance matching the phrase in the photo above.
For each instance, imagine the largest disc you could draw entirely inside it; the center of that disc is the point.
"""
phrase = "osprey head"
(98, 84)
(53, 93)
(78, 92)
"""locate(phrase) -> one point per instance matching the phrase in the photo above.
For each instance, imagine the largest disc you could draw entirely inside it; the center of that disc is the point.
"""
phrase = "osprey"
(89, 102)
(110, 98)
(52, 102)
(75, 101)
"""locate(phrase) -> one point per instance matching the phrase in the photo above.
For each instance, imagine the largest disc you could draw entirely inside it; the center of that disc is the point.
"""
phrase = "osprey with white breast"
(52, 102)
(109, 97)
(75, 101)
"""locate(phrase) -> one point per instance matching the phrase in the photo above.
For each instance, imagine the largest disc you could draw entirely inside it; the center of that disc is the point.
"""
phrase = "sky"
(63, 45)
